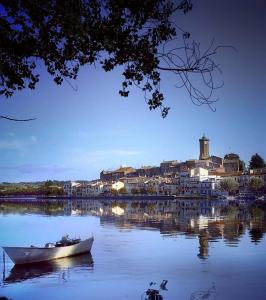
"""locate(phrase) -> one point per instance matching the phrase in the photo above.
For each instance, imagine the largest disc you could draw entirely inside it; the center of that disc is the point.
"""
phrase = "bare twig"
(16, 119)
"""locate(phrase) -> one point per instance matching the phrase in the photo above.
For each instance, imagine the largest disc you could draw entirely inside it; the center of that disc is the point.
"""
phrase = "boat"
(64, 248)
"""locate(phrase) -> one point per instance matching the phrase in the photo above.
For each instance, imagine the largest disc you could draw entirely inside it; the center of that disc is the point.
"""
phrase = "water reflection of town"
(209, 221)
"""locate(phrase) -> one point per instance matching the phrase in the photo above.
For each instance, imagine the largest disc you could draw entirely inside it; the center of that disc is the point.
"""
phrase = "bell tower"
(204, 148)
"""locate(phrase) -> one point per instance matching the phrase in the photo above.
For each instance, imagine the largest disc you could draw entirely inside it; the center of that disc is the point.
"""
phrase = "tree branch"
(17, 120)
(177, 69)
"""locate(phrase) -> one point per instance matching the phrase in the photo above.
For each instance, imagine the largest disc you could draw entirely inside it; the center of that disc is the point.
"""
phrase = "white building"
(85, 189)
(70, 188)
(168, 188)
(118, 185)
(108, 187)
(134, 183)
(94, 189)
(199, 182)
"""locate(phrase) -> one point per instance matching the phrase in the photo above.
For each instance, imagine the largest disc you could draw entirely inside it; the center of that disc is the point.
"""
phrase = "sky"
(79, 132)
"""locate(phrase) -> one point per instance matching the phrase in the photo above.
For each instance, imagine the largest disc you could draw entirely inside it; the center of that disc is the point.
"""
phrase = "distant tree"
(123, 191)
(135, 205)
(256, 162)
(114, 204)
(241, 165)
(114, 192)
(135, 191)
(231, 156)
(151, 206)
(151, 190)
(256, 212)
(256, 184)
(122, 205)
(229, 185)
(47, 188)
(143, 191)
(138, 36)
(48, 183)
(229, 211)
(51, 188)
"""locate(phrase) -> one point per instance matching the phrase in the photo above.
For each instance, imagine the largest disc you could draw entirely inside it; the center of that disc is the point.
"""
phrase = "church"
(205, 160)
(229, 164)
(214, 164)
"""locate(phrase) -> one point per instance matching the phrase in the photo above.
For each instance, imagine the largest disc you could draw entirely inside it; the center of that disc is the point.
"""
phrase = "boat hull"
(26, 255)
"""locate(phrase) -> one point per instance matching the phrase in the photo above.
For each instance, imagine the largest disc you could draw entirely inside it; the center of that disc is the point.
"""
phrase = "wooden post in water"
(4, 265)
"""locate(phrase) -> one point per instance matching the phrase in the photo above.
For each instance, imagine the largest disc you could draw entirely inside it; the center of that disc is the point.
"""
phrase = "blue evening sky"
(79, 133)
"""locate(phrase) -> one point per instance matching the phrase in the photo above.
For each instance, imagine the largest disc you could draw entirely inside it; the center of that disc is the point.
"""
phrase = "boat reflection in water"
(30, 271)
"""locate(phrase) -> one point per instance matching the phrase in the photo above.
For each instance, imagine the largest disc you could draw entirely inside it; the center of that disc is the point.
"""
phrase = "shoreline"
(59, 199)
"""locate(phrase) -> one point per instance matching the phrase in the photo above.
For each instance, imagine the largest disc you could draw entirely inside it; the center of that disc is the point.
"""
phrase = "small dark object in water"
(153, 295)
(206, 295)
(163, 285)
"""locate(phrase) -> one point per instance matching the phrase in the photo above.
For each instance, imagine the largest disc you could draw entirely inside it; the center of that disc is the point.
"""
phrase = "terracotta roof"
(231, 174)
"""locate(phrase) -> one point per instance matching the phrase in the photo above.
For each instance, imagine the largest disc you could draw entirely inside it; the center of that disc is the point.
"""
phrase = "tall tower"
(204, 148)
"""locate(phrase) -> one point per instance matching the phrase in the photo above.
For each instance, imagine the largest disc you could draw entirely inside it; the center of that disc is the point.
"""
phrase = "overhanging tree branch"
(138, 35)
(16, 119)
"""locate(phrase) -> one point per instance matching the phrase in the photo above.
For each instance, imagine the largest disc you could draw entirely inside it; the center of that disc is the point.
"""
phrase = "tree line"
(256, 161)
(255, 185)
(48, 188)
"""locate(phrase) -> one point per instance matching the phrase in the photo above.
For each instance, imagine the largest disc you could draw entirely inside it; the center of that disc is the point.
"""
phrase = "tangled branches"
(134, 34)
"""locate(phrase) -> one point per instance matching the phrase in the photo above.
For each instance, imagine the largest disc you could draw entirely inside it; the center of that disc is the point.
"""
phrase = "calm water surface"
(206, 250)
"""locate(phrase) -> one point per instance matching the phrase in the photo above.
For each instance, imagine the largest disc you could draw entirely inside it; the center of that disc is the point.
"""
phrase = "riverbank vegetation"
(22, 208)
(47, 188)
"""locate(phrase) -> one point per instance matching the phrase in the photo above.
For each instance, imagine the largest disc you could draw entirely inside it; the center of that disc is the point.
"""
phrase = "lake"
(205, 249)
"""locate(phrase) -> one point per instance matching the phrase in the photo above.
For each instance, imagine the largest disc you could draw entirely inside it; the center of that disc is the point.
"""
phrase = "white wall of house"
(198, 172)
(168, 189)
(200, 185)
(209, 187)
(118, 185)
(94, 189)
(70, 188)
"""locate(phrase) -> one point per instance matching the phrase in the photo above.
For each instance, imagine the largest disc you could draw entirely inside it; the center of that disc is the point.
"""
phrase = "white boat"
(64, 248)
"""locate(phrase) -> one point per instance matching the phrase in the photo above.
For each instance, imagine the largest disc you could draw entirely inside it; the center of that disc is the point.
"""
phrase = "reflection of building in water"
(117, 210)
(160, 209)
(256, 231)
(232, 232)
(83, 206)
(203, 244)
(209, 220)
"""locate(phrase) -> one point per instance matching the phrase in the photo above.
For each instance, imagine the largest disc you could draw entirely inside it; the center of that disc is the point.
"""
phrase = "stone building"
(204, 148)
(147, 171)
(116, 174)
(231, 163)
(205, 160)
(169, 166)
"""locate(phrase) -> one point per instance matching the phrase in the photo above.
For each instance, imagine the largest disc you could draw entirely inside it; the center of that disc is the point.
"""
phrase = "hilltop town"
(209, 175)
